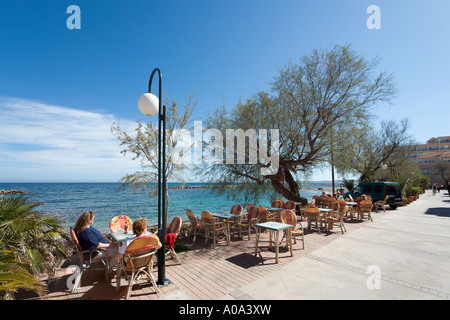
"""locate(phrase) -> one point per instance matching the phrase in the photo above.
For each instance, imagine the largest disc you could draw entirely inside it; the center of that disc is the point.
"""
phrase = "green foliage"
(367, 150)
(424, 182)
(412, 191)
(349, 184)
(30, 244)
(14, 276)
(407, 174)
(418, 190)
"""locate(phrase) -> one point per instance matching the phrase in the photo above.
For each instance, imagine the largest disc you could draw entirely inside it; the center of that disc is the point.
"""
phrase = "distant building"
(428, 154)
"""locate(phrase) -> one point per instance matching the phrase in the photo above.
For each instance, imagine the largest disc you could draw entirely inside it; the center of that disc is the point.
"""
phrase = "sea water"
(68, 200)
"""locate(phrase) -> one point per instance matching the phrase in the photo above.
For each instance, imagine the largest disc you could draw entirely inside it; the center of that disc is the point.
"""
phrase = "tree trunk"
(293, 194)
(362, 178)
(293, 185)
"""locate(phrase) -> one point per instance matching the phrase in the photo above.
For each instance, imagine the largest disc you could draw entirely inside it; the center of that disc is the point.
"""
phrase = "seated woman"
(139, 229)
(91, 239)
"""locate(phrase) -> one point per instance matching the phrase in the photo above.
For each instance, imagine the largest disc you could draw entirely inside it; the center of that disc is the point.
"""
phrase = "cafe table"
(301, 210)
(229, 218)
(276, 212)
(120, 237)
(273, 227)
(298, 204)
(317, 217)
(352, 206)
(326, 211)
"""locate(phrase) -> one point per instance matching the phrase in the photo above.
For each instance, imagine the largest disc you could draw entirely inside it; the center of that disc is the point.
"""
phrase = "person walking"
(434, 189)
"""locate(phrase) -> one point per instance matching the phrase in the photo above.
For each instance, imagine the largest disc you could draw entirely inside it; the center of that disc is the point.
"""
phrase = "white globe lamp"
(148, 103)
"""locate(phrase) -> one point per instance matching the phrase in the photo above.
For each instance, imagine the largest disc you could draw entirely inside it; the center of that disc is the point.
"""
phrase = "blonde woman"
(91, 239)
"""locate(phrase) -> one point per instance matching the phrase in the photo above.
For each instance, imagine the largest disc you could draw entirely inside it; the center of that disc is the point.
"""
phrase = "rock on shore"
(12, 192)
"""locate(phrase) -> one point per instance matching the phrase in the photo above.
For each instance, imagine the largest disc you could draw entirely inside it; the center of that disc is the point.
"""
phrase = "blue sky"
(61, 89)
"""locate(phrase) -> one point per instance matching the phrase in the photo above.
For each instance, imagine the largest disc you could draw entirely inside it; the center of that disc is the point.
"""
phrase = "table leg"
(277, 236)
(326, 226)
(352, 212)
(290, 241)
(270, 239)
(257, 240)
(318, 222)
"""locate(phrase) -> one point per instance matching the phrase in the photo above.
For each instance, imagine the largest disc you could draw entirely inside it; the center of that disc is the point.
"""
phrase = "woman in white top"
(139, 229)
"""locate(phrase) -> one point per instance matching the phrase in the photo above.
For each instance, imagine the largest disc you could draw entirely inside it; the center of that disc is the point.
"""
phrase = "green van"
(379, 191)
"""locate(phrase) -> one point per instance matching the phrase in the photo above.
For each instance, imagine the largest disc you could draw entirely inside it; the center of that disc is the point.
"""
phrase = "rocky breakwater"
(199, 187)
(2, 192)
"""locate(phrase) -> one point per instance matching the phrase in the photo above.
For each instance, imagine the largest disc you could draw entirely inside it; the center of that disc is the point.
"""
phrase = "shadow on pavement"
(440, 212)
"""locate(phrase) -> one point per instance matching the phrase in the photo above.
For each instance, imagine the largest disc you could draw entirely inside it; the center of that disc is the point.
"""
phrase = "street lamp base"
(166, 282)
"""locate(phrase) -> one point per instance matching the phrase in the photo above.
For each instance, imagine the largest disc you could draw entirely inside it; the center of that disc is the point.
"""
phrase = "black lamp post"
(150, 105)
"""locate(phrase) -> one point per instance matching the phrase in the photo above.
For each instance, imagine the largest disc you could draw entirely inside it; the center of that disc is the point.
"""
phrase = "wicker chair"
(326, 201)
(196, 224)
(334, 205)
(317, 201)
(336, 218)
(365, 206)
(342, 204)
(173, 229)
(213, 228)
(120, 222)
(380, 204)
(265, 215)
(313, 215)
(236, 209)
(290, 205)
(252, 219)
(279, 203)
(138, 259)
(289, 217)
(86, 257)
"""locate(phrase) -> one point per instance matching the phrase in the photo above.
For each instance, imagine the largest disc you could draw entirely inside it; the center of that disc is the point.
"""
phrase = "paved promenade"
(402, 254)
